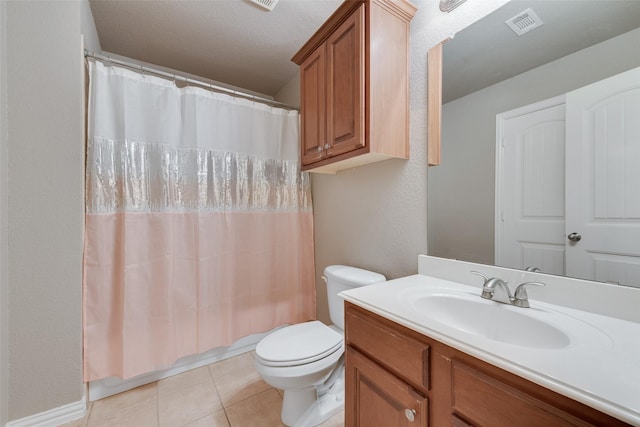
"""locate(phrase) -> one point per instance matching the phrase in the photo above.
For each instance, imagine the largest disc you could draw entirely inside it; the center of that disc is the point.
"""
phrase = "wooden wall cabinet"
(397, 377)
(354, 86)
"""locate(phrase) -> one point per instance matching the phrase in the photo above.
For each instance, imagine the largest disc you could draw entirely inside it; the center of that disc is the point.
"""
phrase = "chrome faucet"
(498, 290)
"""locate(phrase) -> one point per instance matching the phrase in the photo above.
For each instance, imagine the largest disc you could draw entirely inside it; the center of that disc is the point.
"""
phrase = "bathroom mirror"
(488, 70)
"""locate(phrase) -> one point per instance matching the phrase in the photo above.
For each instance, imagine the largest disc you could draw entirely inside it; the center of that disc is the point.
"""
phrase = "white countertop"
(600, 367)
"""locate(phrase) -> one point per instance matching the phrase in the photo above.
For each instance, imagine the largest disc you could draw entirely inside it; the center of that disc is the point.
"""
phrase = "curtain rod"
(175, 77)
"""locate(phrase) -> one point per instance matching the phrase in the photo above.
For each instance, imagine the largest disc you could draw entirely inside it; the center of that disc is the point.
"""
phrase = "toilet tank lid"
(353, 275)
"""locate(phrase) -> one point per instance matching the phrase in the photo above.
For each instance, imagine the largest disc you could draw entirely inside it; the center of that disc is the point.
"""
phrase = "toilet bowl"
(307, 360)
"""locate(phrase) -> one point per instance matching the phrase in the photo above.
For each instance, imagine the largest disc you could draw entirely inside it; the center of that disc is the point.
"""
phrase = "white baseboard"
(109, 386)
(53, 417)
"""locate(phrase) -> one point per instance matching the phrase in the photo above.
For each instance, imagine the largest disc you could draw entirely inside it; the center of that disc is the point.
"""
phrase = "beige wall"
(45, 204)
(461, 214)
(4, 282)
(375, 216)
(290, 93)
(88, 28)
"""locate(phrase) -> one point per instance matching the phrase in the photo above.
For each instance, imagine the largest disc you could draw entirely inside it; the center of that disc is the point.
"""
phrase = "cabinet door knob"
(410, 414)
(326, 146)
(319, 148)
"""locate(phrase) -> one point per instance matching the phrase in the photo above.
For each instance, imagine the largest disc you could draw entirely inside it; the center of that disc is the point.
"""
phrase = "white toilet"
(307, 360)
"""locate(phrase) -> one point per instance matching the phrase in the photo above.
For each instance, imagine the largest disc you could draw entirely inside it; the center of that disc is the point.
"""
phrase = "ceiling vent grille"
(524, 22)
(267, 4)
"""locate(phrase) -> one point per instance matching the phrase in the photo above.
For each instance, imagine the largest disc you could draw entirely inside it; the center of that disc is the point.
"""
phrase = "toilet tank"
(341, 278)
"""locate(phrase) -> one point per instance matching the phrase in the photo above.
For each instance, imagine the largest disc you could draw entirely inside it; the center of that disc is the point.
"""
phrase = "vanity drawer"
(390, 345)
(486, 401)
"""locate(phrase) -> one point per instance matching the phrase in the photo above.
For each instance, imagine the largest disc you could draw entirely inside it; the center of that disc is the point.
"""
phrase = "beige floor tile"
(184, 381)
(335, 421)
(233, 365)
(260, 410)
(82, 422)
(141, 415)
(195, 399)
(219, 419)
(118, 402)
(188, 404)
(239, 385)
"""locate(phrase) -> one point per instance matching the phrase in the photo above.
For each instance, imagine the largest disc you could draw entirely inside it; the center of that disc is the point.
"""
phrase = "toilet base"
(304, 408)
(325, 407)
(295, 402)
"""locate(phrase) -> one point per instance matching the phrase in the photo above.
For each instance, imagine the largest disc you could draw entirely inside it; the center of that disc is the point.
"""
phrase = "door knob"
(410, 414)
(574, 237)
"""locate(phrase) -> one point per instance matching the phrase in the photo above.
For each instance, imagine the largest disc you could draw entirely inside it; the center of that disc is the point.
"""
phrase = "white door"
(603, 180)
(530, 202)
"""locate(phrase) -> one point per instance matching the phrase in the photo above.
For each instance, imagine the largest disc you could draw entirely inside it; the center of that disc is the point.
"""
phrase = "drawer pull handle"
(410, 414)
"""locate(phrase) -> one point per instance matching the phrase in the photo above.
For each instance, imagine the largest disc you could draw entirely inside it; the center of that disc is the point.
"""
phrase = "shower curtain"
(199, 225)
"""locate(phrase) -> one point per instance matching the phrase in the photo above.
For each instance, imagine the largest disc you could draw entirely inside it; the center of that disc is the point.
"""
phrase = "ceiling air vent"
(524, 22)
(267, 4)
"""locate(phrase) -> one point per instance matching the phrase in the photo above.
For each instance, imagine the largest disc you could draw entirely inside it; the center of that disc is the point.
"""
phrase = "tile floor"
(224, 394)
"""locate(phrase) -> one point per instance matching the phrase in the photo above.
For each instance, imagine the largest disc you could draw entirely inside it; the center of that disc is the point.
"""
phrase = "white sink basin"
(491, 320)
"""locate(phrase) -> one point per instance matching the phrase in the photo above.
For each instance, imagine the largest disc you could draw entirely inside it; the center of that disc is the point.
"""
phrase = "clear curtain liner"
(199, 226)
(129, 176)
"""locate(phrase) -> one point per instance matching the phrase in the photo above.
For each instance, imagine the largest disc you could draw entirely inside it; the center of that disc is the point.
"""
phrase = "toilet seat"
(299, 344)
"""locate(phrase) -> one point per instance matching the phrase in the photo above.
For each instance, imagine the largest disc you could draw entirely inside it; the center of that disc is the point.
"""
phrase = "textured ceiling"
(488, 52)
(230, 41)
(238, 43)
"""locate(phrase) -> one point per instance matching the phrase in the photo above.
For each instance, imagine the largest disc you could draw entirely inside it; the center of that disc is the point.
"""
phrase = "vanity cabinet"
(387, 374)
(394, 374)
(380, 398)
(354, 86)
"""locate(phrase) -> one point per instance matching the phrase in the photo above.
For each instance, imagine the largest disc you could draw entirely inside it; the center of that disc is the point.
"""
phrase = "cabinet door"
(346, 85)
(313, 105)
(375, 397)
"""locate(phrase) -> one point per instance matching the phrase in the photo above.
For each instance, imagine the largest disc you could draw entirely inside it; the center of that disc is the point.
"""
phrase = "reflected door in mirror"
(531, 202)
(603, 180)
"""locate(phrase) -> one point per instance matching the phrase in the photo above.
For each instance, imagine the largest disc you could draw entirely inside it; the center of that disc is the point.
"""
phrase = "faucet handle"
(488, 285)
(486, 293)
(486, 279)
(520, 297)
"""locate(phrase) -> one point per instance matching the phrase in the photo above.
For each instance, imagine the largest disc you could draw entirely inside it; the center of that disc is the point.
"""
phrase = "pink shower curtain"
(199, 226)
